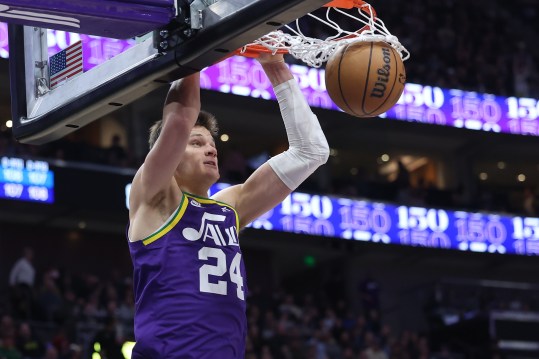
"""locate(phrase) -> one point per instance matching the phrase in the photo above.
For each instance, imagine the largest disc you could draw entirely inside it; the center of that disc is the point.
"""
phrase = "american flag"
(65, 64)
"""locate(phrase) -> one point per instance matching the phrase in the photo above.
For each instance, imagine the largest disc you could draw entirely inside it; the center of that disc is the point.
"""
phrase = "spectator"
(290, 308)
(28, 344)
(109, 344)
(116, 153)
(126, 314)
(369, 293)
(7, 339)
(530, 202)
(403, 176)
(374, 350)
(21, 281)
(51, 353)
(49, 298)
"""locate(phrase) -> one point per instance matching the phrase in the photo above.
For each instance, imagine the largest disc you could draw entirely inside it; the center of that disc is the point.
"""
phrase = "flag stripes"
(65, 64)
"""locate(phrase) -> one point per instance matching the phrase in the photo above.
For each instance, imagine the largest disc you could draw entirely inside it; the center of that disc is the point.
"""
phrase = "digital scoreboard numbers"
(526, 235)
(367, 221)
(26, 180)
(470, 110)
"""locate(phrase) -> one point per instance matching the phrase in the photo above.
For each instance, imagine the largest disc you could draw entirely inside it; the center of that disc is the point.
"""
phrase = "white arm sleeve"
(308, 147)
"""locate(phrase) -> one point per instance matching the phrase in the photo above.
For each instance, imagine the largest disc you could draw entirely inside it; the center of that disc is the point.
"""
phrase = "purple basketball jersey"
(190, 286)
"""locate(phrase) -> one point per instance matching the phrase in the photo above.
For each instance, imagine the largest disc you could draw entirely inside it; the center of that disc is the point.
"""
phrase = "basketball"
(365, 79)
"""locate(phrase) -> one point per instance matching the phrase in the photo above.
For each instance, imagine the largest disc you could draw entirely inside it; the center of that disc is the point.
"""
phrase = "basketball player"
(189, 276)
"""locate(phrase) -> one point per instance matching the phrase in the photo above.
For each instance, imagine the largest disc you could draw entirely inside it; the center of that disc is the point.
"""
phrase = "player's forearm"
(308, 146)
(183, 95)
(277, 72)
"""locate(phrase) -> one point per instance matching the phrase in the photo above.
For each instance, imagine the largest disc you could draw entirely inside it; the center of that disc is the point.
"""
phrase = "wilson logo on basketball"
(365, 78)
(379, 89)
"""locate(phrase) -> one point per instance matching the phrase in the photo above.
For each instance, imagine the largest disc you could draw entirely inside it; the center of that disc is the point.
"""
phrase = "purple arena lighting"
(116, 19)
(419, 103)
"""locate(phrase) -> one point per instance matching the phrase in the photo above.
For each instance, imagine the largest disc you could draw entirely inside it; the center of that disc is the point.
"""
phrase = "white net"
(314, 52)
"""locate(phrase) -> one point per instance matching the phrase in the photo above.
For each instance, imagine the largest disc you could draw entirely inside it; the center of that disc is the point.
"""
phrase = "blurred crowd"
(284, 327)
(52, 313)
(485, 46)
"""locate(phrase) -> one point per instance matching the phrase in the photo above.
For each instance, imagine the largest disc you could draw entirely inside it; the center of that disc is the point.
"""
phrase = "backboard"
(186, 36)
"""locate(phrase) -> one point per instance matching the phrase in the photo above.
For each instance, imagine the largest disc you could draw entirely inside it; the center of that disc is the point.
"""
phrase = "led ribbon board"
(376, 222)
(384, 223)
(418, 103)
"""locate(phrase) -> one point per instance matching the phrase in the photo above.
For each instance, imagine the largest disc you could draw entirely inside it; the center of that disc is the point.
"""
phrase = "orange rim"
(254, 50)
(345, 4)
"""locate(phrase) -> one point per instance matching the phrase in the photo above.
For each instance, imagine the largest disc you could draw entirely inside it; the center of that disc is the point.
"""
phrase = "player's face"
(200, 158)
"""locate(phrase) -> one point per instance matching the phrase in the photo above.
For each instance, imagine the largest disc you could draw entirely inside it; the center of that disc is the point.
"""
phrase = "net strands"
(315, 52)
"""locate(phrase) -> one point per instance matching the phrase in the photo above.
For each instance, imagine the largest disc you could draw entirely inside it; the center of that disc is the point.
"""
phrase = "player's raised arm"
(180, 113)
(308, 149)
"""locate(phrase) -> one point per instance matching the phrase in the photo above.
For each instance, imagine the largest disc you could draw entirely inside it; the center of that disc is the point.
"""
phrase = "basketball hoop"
(313, 51)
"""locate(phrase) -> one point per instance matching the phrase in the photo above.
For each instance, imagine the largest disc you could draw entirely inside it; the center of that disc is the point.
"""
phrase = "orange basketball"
(365, 79)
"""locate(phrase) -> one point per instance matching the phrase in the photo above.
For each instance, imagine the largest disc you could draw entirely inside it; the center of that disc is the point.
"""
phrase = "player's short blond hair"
(205, 119)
